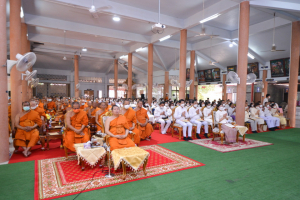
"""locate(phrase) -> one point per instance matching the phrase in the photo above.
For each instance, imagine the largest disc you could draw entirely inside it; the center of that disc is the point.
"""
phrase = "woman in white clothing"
(207, 113)
(231, 111)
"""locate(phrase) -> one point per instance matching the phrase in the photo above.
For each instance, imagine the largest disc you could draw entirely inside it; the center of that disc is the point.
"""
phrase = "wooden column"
(166, 89)
(150, 73)
(116, 77)
(129, 75)
(294, 68)
(265, 89)
(182, 67)
(4, 143)
(242, 61)
(15, 48)
(192, 75)
(23, 51)
(224, 91)
(76, 75)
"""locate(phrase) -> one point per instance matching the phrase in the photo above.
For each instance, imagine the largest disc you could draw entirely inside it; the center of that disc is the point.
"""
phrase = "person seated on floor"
(254, 114)
(272, 122)
(207, 113)
(27, 123)
(161, 116)
(130, 115)
(196, 115)
(76, 122)
(142, 118)
(181, 116)
(117, 128)
(223, 118)
(275, 113)
(93, 110)
(103, 109)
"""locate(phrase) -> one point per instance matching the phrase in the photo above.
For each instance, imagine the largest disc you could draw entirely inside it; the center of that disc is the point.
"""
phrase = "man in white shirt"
(196, 114)
(180, 115)
(268, 96)
(266, 115)
(160, 115)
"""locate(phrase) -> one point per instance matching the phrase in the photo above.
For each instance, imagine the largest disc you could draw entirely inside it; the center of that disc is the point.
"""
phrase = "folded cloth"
(91, 156)
(134, 157)
(241, 129)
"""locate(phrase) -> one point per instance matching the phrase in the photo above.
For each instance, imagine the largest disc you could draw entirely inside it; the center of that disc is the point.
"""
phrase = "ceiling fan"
(203, 33)
(94, 11)
(273, 49)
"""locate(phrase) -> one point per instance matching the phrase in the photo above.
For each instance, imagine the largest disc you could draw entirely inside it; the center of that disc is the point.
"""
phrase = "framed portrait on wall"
(208, 75)
(253, 68)
(216, 74)
(287, 66)
(231, 68)
(201, 76)
(188, 74)
(277, 67)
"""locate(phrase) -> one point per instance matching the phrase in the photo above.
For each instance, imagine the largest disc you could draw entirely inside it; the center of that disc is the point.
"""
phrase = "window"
(120, 81)
(85, 79)
(100, 94)
(120, 92)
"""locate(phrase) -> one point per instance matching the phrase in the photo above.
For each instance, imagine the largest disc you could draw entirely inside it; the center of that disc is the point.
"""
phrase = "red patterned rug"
(216, 145)
(58, 177)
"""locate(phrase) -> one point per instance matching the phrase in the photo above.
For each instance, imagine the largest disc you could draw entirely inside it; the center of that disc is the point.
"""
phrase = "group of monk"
(125, 126)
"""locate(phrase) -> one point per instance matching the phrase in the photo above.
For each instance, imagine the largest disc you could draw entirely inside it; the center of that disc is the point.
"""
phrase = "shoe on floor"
(198, 136)
(205, 135)
(189, 138)
(254, 131)
(185, 139)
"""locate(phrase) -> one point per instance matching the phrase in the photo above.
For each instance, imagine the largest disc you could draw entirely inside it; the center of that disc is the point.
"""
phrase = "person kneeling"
(27, 123)
(117, 128)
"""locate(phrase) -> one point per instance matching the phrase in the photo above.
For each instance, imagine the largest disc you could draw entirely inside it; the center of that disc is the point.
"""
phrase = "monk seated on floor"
(144, 127)
(27, 123)
(76, 122)
(117, 128)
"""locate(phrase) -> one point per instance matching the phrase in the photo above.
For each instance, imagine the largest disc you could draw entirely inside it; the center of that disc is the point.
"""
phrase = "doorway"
(89, 94)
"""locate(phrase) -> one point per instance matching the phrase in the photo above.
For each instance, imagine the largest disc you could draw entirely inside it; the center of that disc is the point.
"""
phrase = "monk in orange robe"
(93, 110)
(76, 121)
(129, 113)
(99, 113)
(142, 119)
(82, 105)
(51, 105)
(34, 106)
(41, 104)
(26, 122)
(117, 128)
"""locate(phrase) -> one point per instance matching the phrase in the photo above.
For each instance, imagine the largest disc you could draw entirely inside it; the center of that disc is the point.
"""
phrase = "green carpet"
(270, 172)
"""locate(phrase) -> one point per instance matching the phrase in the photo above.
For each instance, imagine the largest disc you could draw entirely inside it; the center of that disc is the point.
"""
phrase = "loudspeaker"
(143, 96)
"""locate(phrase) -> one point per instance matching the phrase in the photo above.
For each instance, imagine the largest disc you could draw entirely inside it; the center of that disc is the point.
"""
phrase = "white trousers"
(163, 126)
(271, 121)
(184, 126)
(199, 124)
(253, 124)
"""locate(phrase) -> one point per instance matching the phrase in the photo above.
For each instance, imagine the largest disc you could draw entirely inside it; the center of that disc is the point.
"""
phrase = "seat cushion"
(177, 125)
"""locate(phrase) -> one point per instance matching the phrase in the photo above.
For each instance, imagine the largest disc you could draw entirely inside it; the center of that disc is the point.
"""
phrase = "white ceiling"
(106, 39)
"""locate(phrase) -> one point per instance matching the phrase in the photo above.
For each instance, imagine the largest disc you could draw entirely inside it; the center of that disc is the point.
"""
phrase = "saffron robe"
(71, 137)
(117, 127)
(141, 116)
(51, 105)
(101, 128)
(29, 119)
(131, 118)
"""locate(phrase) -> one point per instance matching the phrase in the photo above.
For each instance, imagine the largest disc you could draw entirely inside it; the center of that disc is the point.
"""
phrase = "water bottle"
(59, 123)
(62, 130)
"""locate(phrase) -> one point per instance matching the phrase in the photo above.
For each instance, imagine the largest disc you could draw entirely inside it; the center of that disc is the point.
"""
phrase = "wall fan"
(188, 83)
(23, 63)
(33, 82)
(233, 77)
(251, 78)
(29, 75)
(77, 85)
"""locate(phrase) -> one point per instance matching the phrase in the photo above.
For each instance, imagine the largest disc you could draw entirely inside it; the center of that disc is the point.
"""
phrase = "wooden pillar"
(15, 48)
(224, 92)
(116, 77)
(129, 75)
(192, 75)
(294, 68)
(182, 67)
(23, 51)
(242, 61)
(4, 143)
(265, 89)
(76, 75)
(150, 73)
(166, 89)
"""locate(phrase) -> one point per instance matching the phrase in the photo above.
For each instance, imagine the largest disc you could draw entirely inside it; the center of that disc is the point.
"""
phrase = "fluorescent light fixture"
(84, 49)
(21, 13)
(164, 38)
(139, 49)
(250, 56)
(116, 19)
(234, 43)
(210, 18)
(64, 58)
(124, 56)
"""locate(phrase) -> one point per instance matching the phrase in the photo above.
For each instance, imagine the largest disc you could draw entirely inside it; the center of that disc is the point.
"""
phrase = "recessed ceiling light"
(64, 58)
(84, 49)
(116, 19)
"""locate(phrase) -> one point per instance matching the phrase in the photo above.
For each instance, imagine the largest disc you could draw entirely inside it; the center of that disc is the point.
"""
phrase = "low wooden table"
(54, 133)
